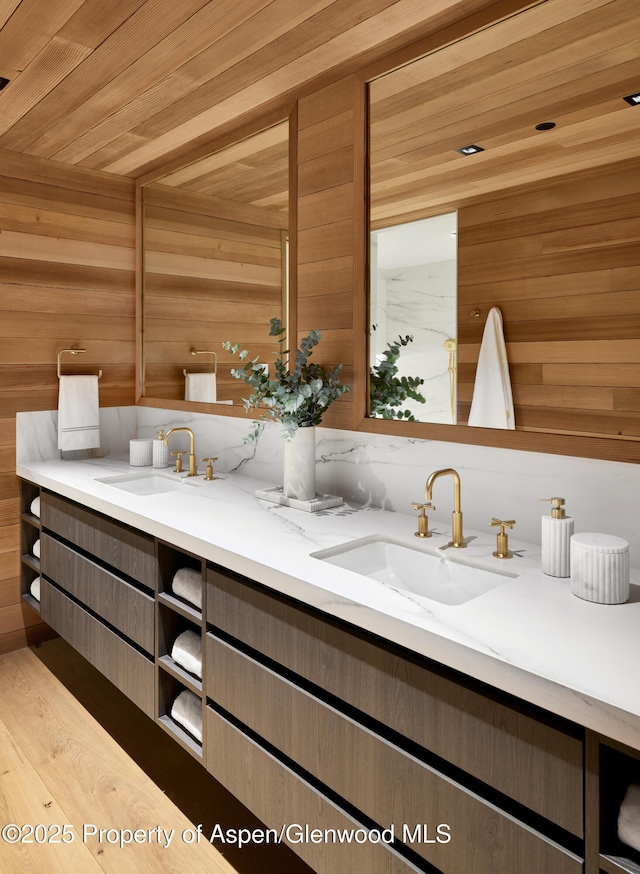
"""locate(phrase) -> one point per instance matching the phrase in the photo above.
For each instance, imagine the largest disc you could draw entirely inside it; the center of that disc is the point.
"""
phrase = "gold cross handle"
(423, 522)
(502, 550)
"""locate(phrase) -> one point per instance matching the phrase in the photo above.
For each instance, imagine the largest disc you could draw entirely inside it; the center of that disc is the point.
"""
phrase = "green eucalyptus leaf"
(388, 390)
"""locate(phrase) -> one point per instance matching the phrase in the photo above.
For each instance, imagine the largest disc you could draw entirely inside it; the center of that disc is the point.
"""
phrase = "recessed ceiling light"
(546, 125)
(470, 150)
(3, 82)
(633, 99)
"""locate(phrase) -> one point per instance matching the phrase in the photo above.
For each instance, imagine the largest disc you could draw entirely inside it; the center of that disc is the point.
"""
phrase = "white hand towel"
(187, 584)
(187, 710)
(187, 651)
(34, 588)
(200, 387)
(35, 549)
(492, 405)
(35, 506)
(78, 417)
(629, 818)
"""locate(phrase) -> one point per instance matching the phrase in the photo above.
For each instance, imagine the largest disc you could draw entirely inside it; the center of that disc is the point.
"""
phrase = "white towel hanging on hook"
(492, 404)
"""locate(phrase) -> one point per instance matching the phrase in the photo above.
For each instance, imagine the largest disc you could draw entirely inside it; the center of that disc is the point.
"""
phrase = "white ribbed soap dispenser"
(556, 540)
(160, 450)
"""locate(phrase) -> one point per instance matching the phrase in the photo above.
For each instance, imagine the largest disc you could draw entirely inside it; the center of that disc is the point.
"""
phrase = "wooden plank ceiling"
(570, 62)
(118, 85)
(253, 171)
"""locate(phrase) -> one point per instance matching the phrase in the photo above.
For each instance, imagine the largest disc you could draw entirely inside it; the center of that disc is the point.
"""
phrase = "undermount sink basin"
(147, 483)
(429, 573)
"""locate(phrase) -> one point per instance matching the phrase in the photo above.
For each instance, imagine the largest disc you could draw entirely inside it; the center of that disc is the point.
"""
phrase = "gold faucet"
(456, 516)
(193, 470)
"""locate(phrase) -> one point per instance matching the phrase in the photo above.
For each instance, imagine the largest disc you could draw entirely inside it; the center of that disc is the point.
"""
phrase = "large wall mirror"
(505, 174)
(215, 267)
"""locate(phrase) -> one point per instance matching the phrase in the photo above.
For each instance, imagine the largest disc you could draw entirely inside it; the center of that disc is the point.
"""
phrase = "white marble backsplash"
(388, 472)
(391, 472)
(221, 437)
(37, 435)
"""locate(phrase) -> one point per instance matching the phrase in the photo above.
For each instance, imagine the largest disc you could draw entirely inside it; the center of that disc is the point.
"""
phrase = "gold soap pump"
(557, 530)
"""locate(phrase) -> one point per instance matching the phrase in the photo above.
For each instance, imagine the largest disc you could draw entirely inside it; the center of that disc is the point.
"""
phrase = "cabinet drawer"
(530, 761)
(278, 796)
(116, 601)
(386, 784)
(126, 550)
(127, 669)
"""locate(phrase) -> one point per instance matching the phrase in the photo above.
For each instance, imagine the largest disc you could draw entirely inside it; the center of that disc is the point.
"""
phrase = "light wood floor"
(74, 750)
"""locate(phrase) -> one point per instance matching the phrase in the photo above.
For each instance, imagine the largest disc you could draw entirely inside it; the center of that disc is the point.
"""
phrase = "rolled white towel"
(187, 584)
(629, 818)
(35, 507)
(187, 710)
(34, 588)
(35, 549)
(187, 651)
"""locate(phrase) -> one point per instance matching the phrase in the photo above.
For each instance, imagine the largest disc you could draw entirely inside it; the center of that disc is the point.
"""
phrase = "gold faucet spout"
(457, 539)
(193, 469)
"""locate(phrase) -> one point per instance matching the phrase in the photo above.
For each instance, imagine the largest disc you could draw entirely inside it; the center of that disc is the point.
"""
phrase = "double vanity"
(462, 712)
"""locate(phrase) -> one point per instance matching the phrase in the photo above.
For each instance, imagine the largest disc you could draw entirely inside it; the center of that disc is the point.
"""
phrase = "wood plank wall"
(563, 264)
(561, 259)
(330, 220)
(213, 272)
(67, 241)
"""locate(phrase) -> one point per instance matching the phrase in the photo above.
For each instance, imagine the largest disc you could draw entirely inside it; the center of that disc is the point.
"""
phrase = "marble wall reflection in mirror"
(215, 253)
(547, 208)
(413, 311)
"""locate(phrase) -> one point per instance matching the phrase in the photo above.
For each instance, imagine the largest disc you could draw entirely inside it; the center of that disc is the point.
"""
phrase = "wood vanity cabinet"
(315, 724)
(123, 548)
(98, 592)
(399, 740)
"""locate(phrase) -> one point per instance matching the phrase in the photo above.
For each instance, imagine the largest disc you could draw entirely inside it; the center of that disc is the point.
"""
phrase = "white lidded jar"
(557, 530)
(160, 450)
(600, 568)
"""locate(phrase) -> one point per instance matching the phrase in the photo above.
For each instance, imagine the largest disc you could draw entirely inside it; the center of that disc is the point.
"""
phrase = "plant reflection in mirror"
(387, 390)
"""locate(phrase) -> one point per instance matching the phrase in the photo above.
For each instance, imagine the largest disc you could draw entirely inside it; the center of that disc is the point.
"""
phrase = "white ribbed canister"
(555, 545)
(140, 452)
(600, 568)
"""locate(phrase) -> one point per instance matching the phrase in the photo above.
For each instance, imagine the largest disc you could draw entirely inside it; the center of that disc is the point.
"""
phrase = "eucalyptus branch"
(301, 391)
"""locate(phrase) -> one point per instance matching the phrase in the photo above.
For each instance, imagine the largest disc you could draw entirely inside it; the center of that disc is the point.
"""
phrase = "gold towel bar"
(195, 351)
(73, 351)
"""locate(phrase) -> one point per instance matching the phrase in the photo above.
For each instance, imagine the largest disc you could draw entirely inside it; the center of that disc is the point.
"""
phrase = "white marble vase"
(300, 465)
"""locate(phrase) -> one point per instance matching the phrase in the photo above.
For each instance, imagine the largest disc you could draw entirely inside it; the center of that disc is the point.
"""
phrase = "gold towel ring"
(73, 351)
(195, 351)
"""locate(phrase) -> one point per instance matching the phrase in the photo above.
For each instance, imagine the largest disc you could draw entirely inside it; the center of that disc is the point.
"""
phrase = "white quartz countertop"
(530, 637)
